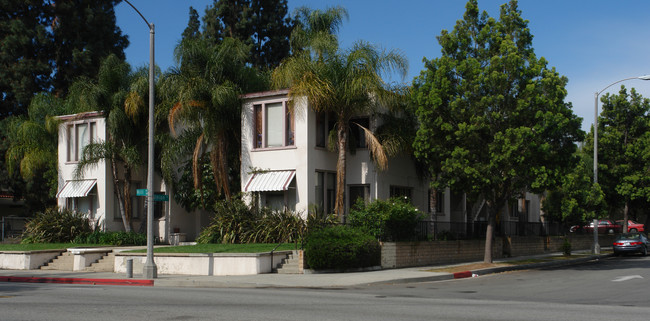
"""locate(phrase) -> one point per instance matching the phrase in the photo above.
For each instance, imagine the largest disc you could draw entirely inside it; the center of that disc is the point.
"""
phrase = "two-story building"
(93, 192)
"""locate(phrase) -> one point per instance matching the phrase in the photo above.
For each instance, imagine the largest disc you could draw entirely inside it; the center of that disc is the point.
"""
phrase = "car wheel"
(633, 230)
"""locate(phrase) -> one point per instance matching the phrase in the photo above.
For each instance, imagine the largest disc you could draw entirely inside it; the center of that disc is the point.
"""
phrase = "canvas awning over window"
(270, 181)
(79, 188)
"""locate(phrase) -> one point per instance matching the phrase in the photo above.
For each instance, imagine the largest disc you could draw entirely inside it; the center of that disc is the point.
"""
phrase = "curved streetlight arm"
(646, 77)
(141, 16)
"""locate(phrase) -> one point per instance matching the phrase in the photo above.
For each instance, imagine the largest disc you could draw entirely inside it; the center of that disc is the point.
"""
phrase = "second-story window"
(79, 136)
(273, 125)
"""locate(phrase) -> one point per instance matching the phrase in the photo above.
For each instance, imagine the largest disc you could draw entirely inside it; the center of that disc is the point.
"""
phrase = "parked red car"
(604, 226)
(632, 226)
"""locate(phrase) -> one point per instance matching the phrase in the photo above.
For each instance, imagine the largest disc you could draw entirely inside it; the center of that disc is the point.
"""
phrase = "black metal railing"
(431, 230)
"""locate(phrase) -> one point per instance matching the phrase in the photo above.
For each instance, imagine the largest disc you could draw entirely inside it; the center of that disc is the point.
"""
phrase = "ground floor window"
(86, 205)
(401, 191)
(358, 192)
(325, 191)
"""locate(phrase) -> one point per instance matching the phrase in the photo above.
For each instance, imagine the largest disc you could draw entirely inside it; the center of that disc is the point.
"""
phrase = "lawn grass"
(222, 248)
(199, 248)
(43, 246)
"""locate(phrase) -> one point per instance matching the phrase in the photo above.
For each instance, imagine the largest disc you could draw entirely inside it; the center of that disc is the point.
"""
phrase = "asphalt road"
(612, 289)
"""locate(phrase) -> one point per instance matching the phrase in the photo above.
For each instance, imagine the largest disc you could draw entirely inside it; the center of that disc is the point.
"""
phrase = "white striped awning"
(79, 188)
(270, 181)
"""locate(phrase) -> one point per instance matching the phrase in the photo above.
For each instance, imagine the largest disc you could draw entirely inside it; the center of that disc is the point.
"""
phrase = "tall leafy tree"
(84, 32)
(202, 96)
(493, 121)
(122, 95)
(623, 148)
(263, 25)
(46, 44)
(345, 83)
(25, 55)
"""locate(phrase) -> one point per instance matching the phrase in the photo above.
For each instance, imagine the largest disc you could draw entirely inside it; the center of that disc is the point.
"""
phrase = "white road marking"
(627, 278)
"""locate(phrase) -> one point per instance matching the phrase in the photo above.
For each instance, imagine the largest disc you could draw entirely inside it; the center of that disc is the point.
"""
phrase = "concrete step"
(63, 262)
(290, 265)
(105, 264)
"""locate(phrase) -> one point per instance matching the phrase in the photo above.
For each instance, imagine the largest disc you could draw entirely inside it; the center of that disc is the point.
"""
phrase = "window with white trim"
(273, 125)
(79, 136)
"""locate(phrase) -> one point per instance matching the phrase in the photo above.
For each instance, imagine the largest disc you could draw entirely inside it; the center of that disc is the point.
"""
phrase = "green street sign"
(141, 192)
(161, 198)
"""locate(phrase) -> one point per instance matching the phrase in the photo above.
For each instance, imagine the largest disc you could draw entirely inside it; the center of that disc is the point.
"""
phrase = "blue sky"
(593, 43)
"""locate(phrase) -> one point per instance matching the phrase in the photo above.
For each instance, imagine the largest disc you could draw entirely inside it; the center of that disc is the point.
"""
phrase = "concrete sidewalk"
(318, 280)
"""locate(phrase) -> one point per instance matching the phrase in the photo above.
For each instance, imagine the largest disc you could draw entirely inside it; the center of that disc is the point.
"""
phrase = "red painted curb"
(76, 281)
(462, 275)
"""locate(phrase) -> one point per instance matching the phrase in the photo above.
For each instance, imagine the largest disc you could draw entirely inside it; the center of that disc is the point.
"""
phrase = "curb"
(480, 272)
(26, 279)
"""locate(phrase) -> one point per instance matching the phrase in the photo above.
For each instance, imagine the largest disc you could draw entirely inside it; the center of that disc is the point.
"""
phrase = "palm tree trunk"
(128, 208)
(342, 139)
(120, 196)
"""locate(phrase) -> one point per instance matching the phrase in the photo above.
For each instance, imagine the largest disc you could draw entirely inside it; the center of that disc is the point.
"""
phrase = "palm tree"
(32, 148)
(343, 83)
(121, 95)
(203, 92)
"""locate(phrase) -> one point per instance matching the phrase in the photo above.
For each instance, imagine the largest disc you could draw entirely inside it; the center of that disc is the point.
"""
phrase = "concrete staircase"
(105, 264)
(63, 262)
(293, 264)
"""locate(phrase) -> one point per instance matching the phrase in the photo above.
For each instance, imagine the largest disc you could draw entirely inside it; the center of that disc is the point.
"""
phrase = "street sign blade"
(141, 192)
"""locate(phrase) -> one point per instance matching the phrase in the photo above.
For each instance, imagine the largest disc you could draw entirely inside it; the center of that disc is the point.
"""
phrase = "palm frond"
(376, 149)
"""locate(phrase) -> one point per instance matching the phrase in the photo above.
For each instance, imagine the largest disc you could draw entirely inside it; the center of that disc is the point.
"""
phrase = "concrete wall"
(29, 260)
(204, 263)
(408, 254)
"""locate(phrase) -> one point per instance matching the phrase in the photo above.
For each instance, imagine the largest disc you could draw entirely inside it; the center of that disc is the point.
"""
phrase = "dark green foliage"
(262, 25)
(55, 226)
(234, 222)
(24, 54)
(391, 220)
(341, 247)
(566, 247)
(111, 238)
(46, 45)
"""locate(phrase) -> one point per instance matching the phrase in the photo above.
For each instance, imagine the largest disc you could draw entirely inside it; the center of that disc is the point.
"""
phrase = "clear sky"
(592, 42)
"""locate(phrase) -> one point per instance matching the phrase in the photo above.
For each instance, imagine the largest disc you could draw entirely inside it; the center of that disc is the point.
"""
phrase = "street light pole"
(150, 270)
(646, 77)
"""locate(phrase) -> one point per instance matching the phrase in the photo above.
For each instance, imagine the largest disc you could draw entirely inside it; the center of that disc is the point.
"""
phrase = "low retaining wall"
(83, 258)
(26, 260)
(409, 254)
(204, 263)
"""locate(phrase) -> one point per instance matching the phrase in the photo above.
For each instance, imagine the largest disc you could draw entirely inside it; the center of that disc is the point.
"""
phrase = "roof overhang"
(79, 188)
(270, 181)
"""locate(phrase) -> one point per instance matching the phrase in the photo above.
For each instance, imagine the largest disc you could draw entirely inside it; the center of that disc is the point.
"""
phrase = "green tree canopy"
(493, 121)
(623, 150)
(263, 25)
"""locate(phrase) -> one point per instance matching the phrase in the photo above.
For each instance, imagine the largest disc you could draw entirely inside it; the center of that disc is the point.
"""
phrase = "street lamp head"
(646, 77)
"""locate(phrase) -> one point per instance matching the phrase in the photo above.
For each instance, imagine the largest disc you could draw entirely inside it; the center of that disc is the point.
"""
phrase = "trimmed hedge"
(341, 247)
(112, 238)
(395, 219)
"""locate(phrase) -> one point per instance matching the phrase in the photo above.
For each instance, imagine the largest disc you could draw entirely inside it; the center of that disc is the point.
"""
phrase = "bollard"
(129, 268)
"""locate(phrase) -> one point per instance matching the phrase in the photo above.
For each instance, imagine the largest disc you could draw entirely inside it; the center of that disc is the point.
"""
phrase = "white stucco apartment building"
(285, 159)
(93, 192)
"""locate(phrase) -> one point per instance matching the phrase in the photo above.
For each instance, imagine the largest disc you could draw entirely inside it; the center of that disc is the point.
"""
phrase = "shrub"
(391, 220)
(112, 238)
(566, 247)
(55, 226)
(341, 247)
(234, 222)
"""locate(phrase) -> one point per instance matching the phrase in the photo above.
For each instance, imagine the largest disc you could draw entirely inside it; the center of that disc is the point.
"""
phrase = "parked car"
(632, 226)
(631, 243)
(604, 226)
